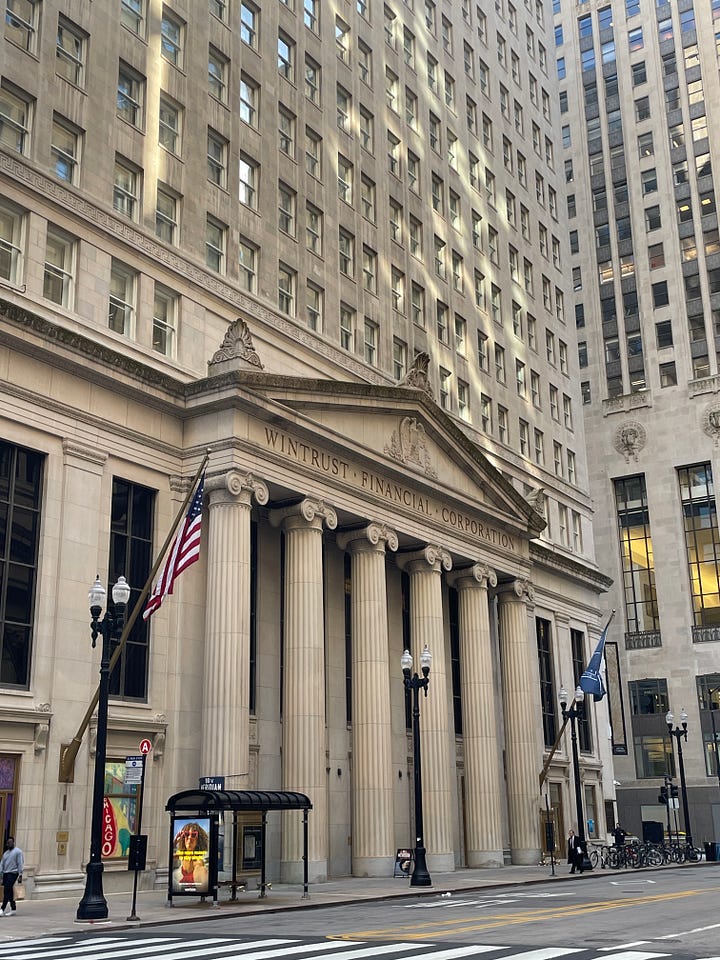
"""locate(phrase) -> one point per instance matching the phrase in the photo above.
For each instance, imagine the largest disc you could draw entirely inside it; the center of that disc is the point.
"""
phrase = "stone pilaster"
(304, 748)
(373, 834)
(225, 710)
(438, 763)
(523, 754)
(483, 788)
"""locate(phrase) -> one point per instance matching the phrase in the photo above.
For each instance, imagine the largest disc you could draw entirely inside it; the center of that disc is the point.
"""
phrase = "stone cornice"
(589, 576)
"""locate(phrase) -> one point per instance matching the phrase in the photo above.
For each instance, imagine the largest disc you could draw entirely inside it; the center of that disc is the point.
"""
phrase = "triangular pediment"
(398, 434)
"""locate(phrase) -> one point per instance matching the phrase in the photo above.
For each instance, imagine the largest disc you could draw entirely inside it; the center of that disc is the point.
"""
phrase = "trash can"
(711, 852)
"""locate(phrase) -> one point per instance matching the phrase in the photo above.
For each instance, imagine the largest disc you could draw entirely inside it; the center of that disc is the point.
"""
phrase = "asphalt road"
(597, 916)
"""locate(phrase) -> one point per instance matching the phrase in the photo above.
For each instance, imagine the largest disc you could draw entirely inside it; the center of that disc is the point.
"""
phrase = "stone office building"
(371, 483)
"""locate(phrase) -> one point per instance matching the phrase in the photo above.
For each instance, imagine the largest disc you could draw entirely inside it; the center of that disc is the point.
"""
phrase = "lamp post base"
(93, 905)
(420, 876)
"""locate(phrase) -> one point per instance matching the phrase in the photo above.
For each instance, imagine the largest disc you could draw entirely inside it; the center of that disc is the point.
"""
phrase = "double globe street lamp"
(413, 684)
(93, 905)
(573, 714)
(680, 734)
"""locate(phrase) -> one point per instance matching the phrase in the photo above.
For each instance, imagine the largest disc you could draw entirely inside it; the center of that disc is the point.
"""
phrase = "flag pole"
(69, 752)
(553, 749)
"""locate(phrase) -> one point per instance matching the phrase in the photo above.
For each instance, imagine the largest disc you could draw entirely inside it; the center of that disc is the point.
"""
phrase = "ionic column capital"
(433, 556)
(236, 485)
(517, 590)
(309, 512)
(375, 536)
(479, 574)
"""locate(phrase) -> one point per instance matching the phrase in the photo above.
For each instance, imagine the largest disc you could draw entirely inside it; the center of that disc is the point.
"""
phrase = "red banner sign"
(109, 829)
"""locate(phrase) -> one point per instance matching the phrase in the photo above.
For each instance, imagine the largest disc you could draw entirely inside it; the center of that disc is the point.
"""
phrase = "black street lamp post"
(93, 905)
(680, 734)
(413, 683)
(574, 713)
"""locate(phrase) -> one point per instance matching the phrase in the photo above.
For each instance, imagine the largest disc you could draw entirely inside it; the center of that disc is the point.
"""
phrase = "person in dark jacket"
(576, 853)
(619, 834)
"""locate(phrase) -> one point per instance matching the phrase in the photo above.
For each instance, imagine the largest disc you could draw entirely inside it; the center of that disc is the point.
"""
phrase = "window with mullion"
(547, 681)
(702, 541)
(131, 556)
(577, 644)
(21, 475)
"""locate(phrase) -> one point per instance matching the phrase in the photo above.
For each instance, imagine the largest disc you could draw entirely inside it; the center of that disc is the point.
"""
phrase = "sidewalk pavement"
(36, 918)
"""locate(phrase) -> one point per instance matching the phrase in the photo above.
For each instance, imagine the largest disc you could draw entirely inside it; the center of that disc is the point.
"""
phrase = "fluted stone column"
(373, 835)
(304, 748)
(523, 754)
(483, 789)
(438, 762)
(226, 688)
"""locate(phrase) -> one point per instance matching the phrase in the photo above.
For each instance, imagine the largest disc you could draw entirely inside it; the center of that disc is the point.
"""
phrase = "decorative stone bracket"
(127, 730)
(36, 719)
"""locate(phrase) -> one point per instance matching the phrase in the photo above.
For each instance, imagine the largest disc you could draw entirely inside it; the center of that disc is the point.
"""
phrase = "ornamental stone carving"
(408, 445)
(417, 376)
(630, 438)
(238, 482)
(373, 533)
(523, 589)
(237, 345)
(711, 422)
(536, 499)
(310, 509)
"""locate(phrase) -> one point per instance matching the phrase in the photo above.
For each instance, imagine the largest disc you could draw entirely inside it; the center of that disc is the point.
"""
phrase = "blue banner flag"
(591, 681)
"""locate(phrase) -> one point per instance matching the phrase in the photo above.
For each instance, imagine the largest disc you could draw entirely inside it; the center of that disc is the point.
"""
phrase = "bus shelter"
(194, 832)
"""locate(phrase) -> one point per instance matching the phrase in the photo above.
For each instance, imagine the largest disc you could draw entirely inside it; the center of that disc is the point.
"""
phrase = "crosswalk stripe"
(546, 953)
(82, 948)
(624, 946)
(305, 948)
(633, 955)
(39, 941)
(178, 947)
(458, 952)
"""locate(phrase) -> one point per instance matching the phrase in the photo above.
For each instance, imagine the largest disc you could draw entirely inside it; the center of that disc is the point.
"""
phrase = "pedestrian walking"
(11, 867)
(575, 853)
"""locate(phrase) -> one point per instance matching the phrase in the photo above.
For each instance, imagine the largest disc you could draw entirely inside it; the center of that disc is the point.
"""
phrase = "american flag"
(185, 550)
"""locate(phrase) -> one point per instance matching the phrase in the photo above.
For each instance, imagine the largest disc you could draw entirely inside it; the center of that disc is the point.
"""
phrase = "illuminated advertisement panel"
(190, 867)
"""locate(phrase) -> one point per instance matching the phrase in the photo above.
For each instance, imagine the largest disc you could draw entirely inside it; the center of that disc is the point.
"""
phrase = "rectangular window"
(370, 342)
(313, 153)
(59, 278)
(217, 79)
(287, 286)
(313, 229)
(347, 327)
(131, 554)
(579, 661)
(286, 209)
(248, 264)
(126, 189)
(286, 132)
(215, 240)
(172, 31)
(169, 132)
(249, 177)
(702, 541)
(313, 306)
(132, 16)
(70, 52)
(547, 683)
(166, 215)
(121, 306)
(312, 81)
(130, 92)
(636, 553)
(21, 23)
(65, 149)
(249, 100)
(21, 484)
(164, 321)
(11, 240)
(249, 22)
(285, 57)
(217, 147)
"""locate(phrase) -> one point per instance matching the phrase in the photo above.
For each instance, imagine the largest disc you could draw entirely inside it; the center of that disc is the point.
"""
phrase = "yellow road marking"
(424, 931)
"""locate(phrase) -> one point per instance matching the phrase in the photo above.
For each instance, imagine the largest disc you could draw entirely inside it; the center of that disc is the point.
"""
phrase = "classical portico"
(376, 477)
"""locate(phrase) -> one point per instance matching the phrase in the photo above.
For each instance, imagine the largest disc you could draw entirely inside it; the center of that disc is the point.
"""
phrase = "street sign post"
(136, 862)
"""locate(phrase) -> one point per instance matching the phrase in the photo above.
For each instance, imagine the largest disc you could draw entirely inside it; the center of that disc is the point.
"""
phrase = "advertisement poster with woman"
(190, 868)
